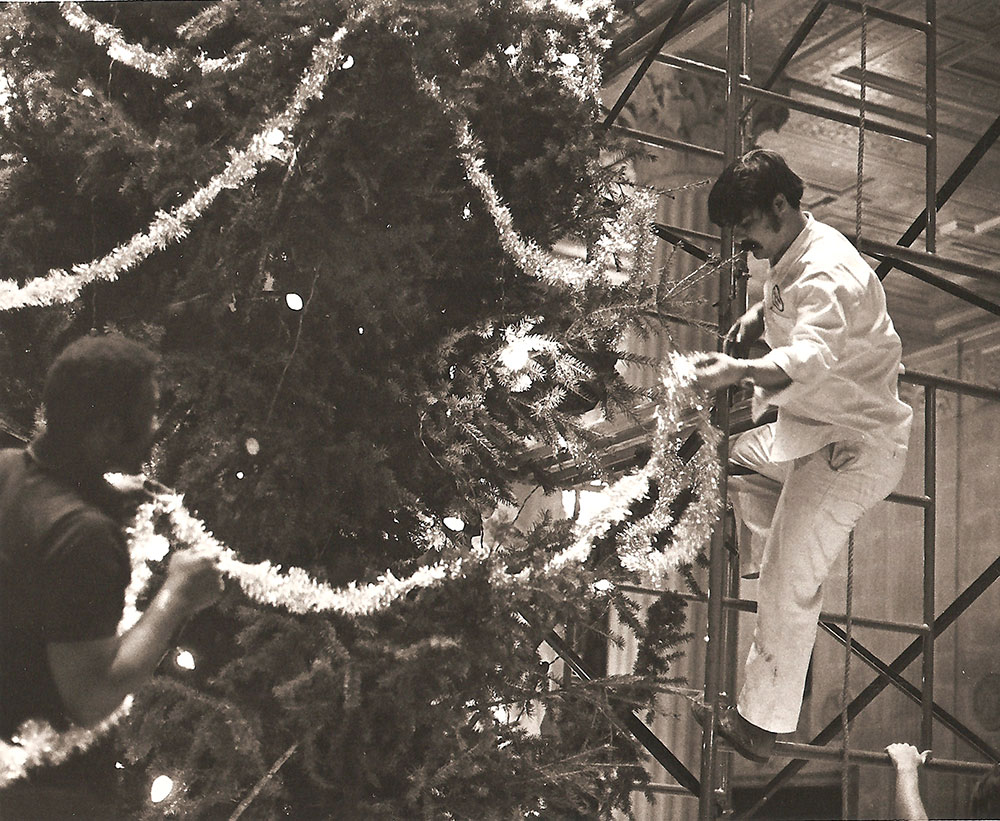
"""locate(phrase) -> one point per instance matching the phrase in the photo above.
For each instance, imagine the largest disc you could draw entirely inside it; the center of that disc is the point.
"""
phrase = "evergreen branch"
(669, 192)
(268, 244)
(295, 347)
(271, 773)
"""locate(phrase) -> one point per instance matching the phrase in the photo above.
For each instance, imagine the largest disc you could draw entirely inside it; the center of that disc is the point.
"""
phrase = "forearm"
(142, 646)
(765, 374)
(909, 807)
(95, 679)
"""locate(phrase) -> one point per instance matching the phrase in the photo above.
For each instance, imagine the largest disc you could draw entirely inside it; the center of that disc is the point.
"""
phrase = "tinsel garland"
(700, 475)
(38, 743)
(582, 75)
(161, 64)
(266, 145)
(294, 589)
(201, 25)
(627, 236)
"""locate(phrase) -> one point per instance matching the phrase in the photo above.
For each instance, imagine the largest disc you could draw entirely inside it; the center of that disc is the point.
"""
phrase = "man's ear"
(779, 204)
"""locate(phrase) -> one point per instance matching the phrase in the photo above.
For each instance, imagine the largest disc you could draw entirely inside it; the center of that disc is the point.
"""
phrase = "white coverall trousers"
(800, 514)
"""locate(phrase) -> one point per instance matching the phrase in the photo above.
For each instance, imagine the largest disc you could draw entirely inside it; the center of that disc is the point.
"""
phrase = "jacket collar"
(793, 253)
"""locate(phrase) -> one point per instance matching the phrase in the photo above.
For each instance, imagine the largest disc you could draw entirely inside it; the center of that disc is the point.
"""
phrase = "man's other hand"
(193, 576)
(717, 370)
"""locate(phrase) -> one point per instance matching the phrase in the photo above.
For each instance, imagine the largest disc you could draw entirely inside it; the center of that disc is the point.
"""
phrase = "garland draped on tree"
(268, 144)
(294, 589)
(271, 143)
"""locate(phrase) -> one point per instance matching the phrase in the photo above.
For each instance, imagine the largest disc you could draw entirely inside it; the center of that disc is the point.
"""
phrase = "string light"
(161, 788)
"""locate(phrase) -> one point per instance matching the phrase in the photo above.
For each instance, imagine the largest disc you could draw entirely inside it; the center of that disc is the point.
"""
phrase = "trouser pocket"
(841, 455)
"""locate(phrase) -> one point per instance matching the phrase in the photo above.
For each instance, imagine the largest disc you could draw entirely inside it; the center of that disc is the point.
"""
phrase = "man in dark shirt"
(64, 567)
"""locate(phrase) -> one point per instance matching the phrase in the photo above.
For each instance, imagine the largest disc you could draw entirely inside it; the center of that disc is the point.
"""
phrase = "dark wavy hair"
(750, 184)
(985, 800)
(93, 378)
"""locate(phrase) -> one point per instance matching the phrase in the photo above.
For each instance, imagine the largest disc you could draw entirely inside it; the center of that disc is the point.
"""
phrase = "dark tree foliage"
(372, 406)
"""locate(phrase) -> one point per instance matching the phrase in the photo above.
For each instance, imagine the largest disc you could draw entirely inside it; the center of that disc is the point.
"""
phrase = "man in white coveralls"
(839, 443)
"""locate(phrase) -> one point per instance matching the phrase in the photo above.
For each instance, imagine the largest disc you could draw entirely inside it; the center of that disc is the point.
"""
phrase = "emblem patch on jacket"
(777, 303)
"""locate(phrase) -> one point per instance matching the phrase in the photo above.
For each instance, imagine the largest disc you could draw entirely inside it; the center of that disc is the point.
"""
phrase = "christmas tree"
(331, 220)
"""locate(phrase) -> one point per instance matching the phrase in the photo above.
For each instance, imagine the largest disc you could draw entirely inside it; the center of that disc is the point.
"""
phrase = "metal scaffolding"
(712, 786)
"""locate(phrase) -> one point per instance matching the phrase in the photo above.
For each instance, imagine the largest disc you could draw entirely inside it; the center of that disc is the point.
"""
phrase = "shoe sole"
(702, 713)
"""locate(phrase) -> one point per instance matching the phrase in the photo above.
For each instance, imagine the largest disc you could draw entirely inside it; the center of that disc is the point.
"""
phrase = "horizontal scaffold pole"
(750, 606)
(958, 176)
(891, 255)
(789, 749)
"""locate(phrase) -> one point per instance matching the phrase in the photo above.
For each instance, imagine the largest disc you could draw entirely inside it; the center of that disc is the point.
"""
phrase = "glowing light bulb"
(163, 785)
(516, 355)
(185, 660)
(239, 474)
(454, 523)
(294, 301)
(348, 62)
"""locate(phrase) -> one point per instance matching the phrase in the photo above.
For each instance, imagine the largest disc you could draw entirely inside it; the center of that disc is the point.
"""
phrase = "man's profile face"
(760, 233)
(138, 435)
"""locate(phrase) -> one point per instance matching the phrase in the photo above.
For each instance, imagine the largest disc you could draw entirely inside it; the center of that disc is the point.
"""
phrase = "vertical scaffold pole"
(930, 524)
(716, 651)
(930, 90)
